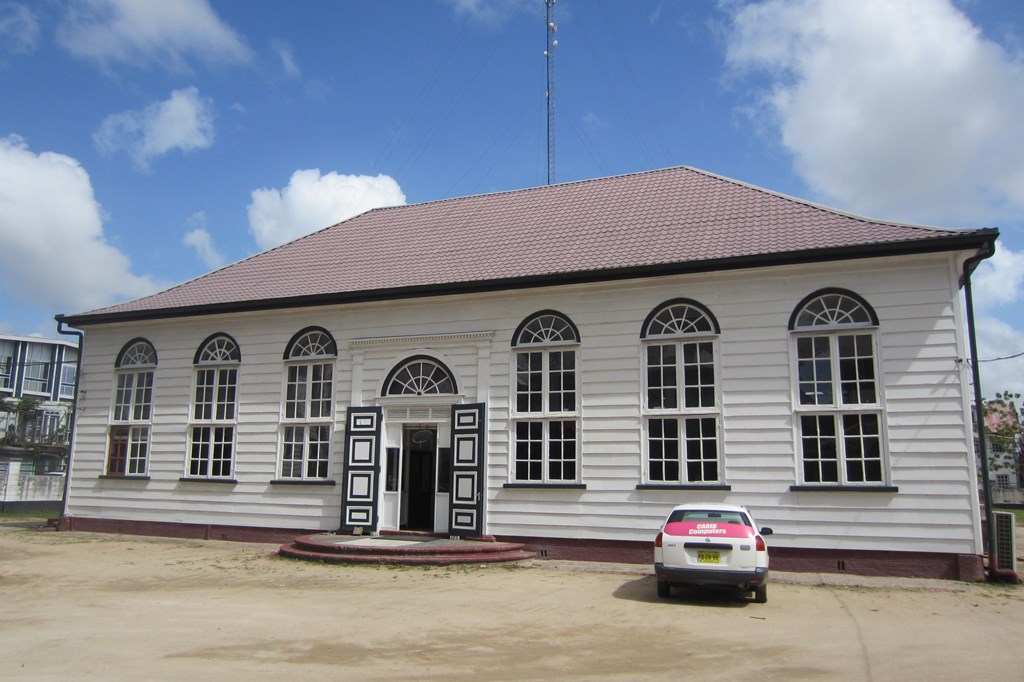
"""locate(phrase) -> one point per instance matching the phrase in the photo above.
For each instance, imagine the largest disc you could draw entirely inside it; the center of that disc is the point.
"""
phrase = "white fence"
(19, 491)
(1007, 496)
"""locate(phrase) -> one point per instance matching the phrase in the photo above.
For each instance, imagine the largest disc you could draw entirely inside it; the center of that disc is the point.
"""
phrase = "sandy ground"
(81, 606)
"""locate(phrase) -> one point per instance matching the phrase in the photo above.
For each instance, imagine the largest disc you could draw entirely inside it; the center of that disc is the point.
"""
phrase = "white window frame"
(8, 364)
(542, 343)
(309, 350)
(684, 334)
(131, 410)
(835, 409)
(34, 352)
(219, 354)
(68, 374)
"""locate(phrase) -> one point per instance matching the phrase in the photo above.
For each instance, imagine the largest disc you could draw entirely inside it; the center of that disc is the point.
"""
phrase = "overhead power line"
(1005, 357)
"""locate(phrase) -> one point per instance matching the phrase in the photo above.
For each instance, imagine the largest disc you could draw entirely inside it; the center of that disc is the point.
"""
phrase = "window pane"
(67, 381)
(226, 394)
(138, 450)
(203, 409)
(562, 451)
(820, 454)
(528, 451)
(295, 392)
(863, 448)
(291, 457)
(529, 382)
(562, 381)
(856, 369)
(143, 396)
(701, 450)
(814, 368)
(198, 464)
(698, 374)
(6, 364)
(662, 392)
(123, 396)
(663, 450)
(319, 451)
(37, 369)
(117, 455)
(221, 452)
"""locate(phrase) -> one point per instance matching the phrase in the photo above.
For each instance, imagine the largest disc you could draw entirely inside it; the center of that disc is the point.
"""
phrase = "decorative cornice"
(460, 337)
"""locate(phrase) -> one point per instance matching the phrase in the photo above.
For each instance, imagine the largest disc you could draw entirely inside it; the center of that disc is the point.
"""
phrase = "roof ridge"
(828, 209)
(524, 190)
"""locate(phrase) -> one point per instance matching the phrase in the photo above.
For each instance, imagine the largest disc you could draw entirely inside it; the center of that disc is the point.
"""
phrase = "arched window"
(681, 394)
(838, 401)
(545, 328)
(309, 396)
(832, 307)
(218, 349)
(546, 403)
(214, 409)
(132, 414)
(420, 375)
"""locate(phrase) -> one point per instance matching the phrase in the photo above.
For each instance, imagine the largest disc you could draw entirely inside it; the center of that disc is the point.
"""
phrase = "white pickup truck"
(712, 545)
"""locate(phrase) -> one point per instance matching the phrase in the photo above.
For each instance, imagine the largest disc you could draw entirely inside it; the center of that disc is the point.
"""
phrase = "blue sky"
(145, 142)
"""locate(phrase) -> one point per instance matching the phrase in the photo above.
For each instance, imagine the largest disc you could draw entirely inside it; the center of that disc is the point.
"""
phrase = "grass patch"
(21, 515)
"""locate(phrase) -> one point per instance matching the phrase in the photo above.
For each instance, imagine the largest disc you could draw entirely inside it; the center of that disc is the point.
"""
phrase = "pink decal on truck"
(708, 528)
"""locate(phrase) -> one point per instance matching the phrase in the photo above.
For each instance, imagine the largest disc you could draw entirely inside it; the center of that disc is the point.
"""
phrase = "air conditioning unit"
(1006, 541)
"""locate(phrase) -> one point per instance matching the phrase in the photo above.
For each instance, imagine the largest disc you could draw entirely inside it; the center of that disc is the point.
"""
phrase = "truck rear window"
(708, 515)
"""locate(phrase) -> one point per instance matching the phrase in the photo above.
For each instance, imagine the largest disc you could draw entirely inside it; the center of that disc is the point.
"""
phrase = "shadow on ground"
(645, 590)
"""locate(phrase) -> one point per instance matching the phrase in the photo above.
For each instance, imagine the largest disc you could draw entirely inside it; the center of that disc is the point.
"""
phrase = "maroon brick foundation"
(799, 560)
(182, 530)
(967, 567)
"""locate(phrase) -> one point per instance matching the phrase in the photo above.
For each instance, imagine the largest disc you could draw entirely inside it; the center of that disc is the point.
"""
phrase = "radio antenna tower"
(549, 55)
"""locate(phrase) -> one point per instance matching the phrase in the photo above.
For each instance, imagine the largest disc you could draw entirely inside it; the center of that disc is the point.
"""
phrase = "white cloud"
(997, 339)
(19, 30)
(998, 280)
(54, 251)
(183, 121)
(895, 109)
(311, 202)
(287, 57)
(200, 239)
(143, 33)
(488, 12)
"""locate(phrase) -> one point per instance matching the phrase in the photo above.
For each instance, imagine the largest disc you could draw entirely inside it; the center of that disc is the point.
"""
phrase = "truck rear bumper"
(710, 576)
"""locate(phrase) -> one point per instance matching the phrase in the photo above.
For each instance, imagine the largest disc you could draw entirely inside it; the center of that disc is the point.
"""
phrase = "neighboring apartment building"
(37, 387)
(1002, 426)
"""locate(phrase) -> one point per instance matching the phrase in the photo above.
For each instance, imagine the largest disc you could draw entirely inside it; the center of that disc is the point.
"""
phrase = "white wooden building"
(559, 365)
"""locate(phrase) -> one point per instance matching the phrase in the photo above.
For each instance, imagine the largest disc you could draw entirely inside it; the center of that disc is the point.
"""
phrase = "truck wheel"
(664, 588)
(761, 594)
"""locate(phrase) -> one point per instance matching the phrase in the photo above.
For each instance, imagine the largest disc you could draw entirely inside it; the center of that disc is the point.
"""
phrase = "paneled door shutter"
(466, 509)
(362, 469)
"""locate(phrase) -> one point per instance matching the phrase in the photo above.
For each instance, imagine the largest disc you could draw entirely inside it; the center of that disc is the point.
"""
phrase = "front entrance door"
(419, 476)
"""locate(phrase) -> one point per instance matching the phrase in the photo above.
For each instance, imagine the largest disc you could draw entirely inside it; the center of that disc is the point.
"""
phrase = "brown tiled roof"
(672, 220)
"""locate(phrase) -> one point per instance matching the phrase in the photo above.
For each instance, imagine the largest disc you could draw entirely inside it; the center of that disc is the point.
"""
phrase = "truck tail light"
(759, 544)
(657, 540)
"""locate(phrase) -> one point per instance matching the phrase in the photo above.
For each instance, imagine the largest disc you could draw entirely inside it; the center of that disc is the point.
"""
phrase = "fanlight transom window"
(831, 310)
(137, 354)
(420, 376)
(546, 327)
(219, 349)
(314, 343)
(680, 318)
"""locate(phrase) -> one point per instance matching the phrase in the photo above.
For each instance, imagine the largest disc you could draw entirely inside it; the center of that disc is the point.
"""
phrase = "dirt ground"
(82, 606)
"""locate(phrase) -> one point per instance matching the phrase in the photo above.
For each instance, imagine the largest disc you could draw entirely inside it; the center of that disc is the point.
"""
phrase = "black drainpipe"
(74, 408)
(979, 407)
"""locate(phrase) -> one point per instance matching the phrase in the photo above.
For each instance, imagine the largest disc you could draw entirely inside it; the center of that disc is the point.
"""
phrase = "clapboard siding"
(929, 441)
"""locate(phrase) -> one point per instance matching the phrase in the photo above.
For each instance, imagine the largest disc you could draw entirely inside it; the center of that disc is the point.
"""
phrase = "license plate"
(708, 557)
